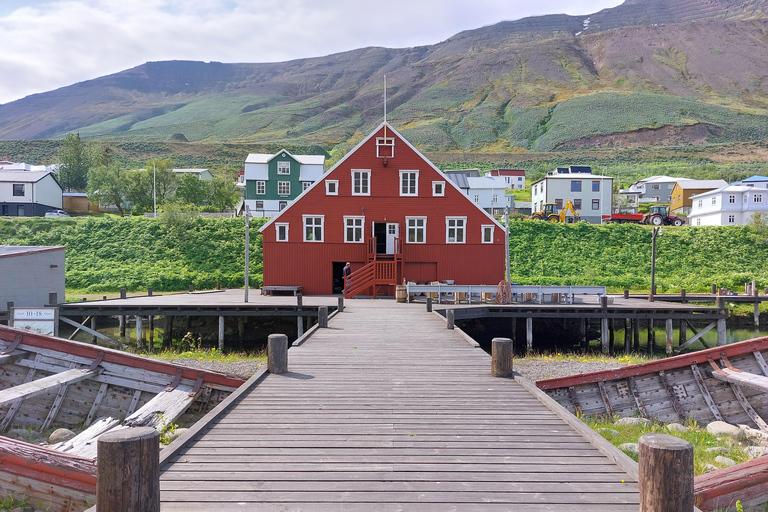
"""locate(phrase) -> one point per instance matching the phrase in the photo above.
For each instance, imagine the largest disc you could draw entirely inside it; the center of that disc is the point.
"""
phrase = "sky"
(47, 44)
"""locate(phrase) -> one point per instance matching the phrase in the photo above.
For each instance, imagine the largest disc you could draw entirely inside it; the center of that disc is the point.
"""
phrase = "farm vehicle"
(656, 216)
(551, 214)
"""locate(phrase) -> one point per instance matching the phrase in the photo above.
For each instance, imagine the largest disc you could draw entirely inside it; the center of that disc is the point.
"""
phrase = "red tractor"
(659, 216)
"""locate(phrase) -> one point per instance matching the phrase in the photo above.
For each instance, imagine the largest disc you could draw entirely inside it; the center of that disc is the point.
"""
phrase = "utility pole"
(247, 248)
(656, 231)
(506, 236)
(154, 188)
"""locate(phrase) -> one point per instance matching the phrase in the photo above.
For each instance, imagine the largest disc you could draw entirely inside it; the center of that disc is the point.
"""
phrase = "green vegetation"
(9, 502)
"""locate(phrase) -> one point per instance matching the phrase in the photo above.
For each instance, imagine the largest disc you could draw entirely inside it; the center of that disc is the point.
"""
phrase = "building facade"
(684, 190)
(28, 193)
(490, 193)
(389, 211)
(731, 205)
(514, 178)
(273, 181)
(30, 274)
(591, 195)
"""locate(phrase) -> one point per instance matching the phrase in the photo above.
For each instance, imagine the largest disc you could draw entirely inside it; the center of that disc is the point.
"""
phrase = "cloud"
(53, 43)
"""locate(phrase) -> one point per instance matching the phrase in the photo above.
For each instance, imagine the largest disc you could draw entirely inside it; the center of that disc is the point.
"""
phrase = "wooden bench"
(280, 290)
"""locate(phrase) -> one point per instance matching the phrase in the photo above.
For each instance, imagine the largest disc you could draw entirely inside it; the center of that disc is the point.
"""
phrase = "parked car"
(56, 213)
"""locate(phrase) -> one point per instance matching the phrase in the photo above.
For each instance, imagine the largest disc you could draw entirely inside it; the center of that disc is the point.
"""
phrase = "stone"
(725, 461)
(721, 428)
(60, 435)
(677, 427)
(633, 421)
(632, 448)
(608, 432)
(710, 467)
(718, 449)
(756, 451)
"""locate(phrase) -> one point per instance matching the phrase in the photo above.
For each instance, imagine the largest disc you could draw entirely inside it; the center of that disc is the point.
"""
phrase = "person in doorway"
(346, 273)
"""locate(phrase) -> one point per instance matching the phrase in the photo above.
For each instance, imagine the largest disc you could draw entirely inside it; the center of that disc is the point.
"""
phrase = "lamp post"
(154, 189)
(247, 248)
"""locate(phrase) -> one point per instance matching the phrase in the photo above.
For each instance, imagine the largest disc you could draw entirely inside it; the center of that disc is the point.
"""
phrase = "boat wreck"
(50, 382)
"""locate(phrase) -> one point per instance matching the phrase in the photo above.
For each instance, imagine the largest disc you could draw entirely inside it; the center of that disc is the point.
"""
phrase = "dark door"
(338, 276)
(380, 232)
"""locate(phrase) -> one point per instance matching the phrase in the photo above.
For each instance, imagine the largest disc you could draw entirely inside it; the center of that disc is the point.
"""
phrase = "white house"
(28, 193)
(730, 205)
(489, 193)
(591, 194)
(202, 174)
(514, 178)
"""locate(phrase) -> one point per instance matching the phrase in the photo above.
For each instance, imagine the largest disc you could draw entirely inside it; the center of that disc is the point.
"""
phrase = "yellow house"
(680, 202)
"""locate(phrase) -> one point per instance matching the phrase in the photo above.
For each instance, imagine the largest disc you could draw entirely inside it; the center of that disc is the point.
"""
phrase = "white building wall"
(28, 277)
(47, 192)
(256, 171)
(554, 188)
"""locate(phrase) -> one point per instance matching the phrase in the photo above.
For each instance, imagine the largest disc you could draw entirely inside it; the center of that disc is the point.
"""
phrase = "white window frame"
(282, 205)
(281, 168)
(283, 184)
(701, 203)
(435, 186)
(367, 174)
(731, 219)
(494, 198)
(279, 225)
(305, 218)
(486, 229)
(459, 226)
(416, 229)
(732, 199)
(409, 193)
(757, 198)
(388, 143)
(331, 187)
(259, 205)
(349, 222)
(714, 200)
(477, 198)
(305, 185)
(261, 187)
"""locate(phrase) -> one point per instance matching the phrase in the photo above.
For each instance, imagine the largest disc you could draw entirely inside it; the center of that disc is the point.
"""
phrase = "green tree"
(165, 180)
(223, 194)
(75, 162)
(192, 190)
(138, 190)
(108, 185)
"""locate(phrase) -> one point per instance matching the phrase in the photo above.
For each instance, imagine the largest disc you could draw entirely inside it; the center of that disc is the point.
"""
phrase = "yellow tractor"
(550, 213)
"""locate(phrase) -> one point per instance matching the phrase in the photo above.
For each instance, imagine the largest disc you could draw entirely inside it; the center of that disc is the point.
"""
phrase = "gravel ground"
(532, 369)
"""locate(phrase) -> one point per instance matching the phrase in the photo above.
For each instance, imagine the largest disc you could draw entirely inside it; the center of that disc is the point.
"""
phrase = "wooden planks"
(39, 386)
(361, 422)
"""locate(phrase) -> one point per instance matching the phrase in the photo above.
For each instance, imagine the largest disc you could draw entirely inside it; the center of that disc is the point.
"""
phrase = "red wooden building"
(391, 213)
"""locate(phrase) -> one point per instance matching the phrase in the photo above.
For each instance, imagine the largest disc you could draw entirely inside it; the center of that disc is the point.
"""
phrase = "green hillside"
(108, 253)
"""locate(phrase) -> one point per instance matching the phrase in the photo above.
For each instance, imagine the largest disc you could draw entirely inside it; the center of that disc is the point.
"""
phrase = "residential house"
(28, 193)
(273, 181)
(684, 190)
(390, 212)
(11, 166)
(30, 274)
(591, 194)
(460, 177)
(489, 193)
(730, 205)
(202, 174)
(514, 178)
(656, 189)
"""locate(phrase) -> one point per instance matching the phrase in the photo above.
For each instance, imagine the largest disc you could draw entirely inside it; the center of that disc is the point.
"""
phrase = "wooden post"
(299, 326)
(241, 328)
(757, 304)
(583, 334)
(529, 335)
(611, 334)
(128, 473)
(139, 333)
(514, 329)
(322, 316)
(665, 464)
(121, 321)
(501, 357)
(429, 304)
(449, 320)
(604, 339)
(683, 333)
(341, 304)
(636, 334)
(651, 338)
(299, 299)
(123, 293)
(150, 291)
(627, 336)
(722, 333)
(714, 289)
(670, 335)
(168, 332)
(53, 298)
(10, 305)
(277, 353)
(683, 300)
(221, 333)
(93, 328)
(151, 332)
(191, 288)
(626, 294)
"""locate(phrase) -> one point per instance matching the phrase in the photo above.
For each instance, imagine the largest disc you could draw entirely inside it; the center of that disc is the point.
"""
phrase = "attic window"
(385, 147)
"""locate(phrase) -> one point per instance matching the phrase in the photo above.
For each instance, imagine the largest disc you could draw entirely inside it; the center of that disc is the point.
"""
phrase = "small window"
(20, 210)
(577, 204)
(385, 147)
(758, 198)
(701, 203)
(409, 183)
(283, 167)
(559, 204)
(18, 189)
(732, 199)
(698, 222)
(417, 230)
(487, 234)
(259, 205)
(495, 198)
(361, 182)
(313, 228)
(595, 204)
(731, 219)
(655, 186)
(714, 200)
(477, 198)
(305, 185)
(353, 230)
(281, 205)
(261, 187)
(454, 230)
(331, 187)
(596, 186)
(283, 188)
(281, 232)
(438, 188)
(576, 186)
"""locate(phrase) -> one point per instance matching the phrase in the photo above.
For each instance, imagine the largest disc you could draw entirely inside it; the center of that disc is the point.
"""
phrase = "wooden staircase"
(376, 272)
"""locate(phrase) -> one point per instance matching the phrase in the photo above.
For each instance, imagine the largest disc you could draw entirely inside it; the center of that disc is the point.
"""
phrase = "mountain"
(648, 72)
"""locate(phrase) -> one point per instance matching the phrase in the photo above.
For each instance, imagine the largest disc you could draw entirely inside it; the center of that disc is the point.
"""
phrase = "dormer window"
(385, 147)
(283, 167)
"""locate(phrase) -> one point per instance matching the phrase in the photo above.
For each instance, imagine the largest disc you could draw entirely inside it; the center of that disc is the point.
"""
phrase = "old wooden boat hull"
(49, 382)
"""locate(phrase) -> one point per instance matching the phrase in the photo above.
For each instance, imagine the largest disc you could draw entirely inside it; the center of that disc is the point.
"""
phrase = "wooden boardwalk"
(388, 410)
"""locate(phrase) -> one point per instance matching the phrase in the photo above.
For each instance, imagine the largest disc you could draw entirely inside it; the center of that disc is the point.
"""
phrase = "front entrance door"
(392, 232)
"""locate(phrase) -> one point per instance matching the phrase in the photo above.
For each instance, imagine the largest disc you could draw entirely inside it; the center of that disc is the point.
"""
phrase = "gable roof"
(389, 127)
(263, 158)
(755, 179)
(24, 176)
(697, 184)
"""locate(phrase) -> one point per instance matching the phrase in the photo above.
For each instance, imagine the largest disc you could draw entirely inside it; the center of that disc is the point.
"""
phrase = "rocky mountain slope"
(648, 72)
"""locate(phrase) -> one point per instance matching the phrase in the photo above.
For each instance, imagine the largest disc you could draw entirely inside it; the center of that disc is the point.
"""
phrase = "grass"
(10, 502)
(587, 358)
(212, 354)
(697, 436)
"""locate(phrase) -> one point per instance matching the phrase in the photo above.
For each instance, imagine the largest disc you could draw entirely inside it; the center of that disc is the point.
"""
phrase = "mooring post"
(191, 288)
(514, 329)
(139, 333)
(651, 338)
(670, 335)
(626, 294)
(605, 343)
(757, 304)
(501, 357)
(123, 293)
(529, 334)
(322, 316)
(277, 353)
(449, 319)
(722, 333)
(665, 464)
(714, 289)
(341, 304)
(93, 328)
(150, 291)
(128, 473)
(429, 304)
(299, 299)
(221, 333)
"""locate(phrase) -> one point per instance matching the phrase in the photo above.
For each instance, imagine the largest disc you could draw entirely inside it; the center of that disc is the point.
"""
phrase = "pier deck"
(388, 410)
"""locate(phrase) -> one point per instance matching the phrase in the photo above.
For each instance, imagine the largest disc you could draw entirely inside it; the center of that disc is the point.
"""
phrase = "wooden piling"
(121, 321)
(683, 337)
(93, 328)
(123, 293)
(151, 332)
(221, 333)
(665, 465)
(611, 335)
(651, 338)
(128, 473)
(139, 333)
(241, 328)
(168, 332)
(757, 304)
(627, 336)
(683, 300)
(277, 353)
(322, 316)
(299, 299)
(299, 326)
(722, 333)
(341, 304)
(501, 357)
(626, 294)
(636, 334)
(714, 289)
(604, 338)
(583, 335)
(670, 335)
(150, 291)
(529, 335)
(449, 319)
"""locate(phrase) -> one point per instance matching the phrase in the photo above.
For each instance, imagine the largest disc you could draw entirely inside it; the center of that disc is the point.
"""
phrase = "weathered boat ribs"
(705, 392)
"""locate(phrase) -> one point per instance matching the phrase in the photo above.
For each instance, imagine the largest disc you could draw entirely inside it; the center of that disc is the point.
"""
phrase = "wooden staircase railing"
(370, 276)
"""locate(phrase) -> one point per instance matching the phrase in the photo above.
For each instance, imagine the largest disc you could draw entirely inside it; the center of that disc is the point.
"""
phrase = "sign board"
(40, 320)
